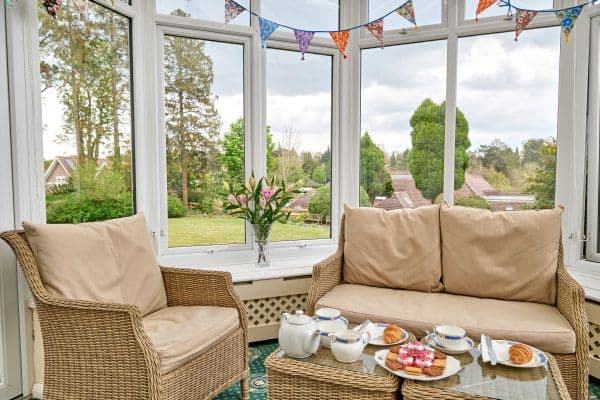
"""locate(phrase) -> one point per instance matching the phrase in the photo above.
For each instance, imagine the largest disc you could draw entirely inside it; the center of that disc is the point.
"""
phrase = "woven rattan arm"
(571, 304)
(327, 274)
(96, 351)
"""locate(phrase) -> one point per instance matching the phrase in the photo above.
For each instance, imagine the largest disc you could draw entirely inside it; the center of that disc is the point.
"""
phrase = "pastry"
(394, 365)
(391, 356)
(439, 355)
(412, 370)
(520, 354)
(392, 333)
(438, 362)
(423, 362)
(433, 371)
(396, 349)
(406, 360)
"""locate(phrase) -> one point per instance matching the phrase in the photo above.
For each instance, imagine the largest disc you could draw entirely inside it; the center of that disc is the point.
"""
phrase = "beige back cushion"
(110, 262)
(397, 249)
(510, 255)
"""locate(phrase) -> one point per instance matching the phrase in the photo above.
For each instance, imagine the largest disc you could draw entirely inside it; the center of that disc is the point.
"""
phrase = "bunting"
(376, 29)
(408, 12)
(341, 40)
(232, 10)
(303, 38)
(266, 29)
(10, 3)
(522, 19)
(567, 20)
(482, 6)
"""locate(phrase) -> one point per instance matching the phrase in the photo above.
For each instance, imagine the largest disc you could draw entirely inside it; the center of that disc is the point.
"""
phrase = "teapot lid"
(298, 318)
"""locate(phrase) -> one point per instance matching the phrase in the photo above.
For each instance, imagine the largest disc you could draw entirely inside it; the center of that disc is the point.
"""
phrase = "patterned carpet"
(258, 378)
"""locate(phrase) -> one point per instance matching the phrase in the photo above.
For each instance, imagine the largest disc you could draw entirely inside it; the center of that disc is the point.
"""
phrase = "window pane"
(427, 12)
(208, 10)
(403, 113)
(86, 111)
(204, 109)
(495, 10)
(508, 93)
(299, 139)
(304, 14)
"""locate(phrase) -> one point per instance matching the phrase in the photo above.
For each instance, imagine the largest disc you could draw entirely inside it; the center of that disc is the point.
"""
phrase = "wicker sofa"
(413, 310)
(98, 350)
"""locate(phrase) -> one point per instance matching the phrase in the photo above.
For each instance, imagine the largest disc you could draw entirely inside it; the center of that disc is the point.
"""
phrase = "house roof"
(69, 164)
(303, 200)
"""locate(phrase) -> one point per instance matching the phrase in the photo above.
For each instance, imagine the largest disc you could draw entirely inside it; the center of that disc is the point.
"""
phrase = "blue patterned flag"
(266, 29)
(232, 10)
(10, 2)
(567, 19)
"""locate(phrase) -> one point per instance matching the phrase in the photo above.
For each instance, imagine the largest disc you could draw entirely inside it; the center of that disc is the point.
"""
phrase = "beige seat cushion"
(110, 262)
(539, 325)
(510, 255)
(395, 249)
(181, 333)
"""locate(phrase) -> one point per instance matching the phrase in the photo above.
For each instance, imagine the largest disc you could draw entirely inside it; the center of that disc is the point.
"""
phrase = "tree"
(426, 158)
(232, 156)
(543, 183)
(531, 152)
(320, 202)
(191, 120)
(308, 162)
(363, 198)
(319, 174)
(499, 156)
(373, 175)
(288, 164)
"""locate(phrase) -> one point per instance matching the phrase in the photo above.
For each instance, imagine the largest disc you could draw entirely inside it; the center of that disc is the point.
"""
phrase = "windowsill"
(590, 282)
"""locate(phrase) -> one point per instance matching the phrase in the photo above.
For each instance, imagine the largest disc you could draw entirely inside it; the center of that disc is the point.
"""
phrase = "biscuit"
(439, 355)
(433, 371)
(394, 365)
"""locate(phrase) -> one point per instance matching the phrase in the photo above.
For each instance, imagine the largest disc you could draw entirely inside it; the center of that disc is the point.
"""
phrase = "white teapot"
(298, 335)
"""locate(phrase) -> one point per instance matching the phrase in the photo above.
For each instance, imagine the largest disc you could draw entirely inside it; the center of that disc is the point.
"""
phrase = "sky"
(507, 90)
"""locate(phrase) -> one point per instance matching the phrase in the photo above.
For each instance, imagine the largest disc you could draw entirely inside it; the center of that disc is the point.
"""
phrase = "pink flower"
(262, 201)
(243, 200)
(232, 200)
(267, 193)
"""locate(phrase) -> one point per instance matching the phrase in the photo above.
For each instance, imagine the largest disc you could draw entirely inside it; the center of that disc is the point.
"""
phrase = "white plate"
(501, 348)
(429, 341)
(377, 335)
(452, 367)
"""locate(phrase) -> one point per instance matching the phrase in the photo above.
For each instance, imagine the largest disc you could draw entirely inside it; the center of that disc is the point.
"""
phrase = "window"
(427, 12)
(402, 119)
(495, 10)
(299, 104)
(209, 10)
(205, 138)
(86, 110)
(508, 102)
(318, 15)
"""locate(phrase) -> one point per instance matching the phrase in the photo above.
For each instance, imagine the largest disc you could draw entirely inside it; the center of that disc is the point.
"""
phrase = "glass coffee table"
(321, 376)
(478, 381)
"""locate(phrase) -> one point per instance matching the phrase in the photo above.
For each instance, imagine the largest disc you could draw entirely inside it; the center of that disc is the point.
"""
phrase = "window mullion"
(451, 88)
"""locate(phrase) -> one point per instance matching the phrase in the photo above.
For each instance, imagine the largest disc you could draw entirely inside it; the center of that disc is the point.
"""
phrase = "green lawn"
(200, 230)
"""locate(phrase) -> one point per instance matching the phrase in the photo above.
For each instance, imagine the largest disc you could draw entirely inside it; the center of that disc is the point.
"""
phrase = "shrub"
(175, 206)
(75, 208)
(319, 203)
(472, 201)
(364, 200)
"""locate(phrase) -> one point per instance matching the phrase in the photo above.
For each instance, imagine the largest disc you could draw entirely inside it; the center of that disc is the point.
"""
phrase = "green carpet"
(258, 377)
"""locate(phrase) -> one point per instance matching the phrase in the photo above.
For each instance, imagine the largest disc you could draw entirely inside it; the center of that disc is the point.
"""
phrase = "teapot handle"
(332, 337)
(345, 320)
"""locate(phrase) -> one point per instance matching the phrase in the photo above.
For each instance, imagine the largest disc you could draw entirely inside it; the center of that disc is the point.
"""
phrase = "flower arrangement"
(261, 203)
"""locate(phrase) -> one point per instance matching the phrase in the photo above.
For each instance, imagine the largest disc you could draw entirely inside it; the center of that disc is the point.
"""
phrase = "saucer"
(429, 340)
(501, 348)
(376, 332)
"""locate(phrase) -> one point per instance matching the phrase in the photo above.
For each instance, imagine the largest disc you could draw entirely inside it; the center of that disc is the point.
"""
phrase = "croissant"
(392, 333)
(520, 354)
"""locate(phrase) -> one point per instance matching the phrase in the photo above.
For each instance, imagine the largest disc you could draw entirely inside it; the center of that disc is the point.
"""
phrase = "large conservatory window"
(86, 109)
(508, 102)
(208, 10)
(402, 120)
(299, 104)
(205, 138)
(427, 12)
(318, 15)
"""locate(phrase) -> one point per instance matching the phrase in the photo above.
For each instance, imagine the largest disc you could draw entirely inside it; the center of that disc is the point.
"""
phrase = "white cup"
(347, 346)
(450, 336)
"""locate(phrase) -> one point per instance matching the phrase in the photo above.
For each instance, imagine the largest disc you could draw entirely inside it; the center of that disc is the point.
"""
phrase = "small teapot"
(298, 335)
(347, 346)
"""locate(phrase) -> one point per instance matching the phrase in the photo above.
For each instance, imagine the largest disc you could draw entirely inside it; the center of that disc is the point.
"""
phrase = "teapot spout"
(312, 341)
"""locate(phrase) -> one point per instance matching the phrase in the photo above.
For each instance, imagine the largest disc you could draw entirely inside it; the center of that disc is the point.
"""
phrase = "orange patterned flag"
(522, 19)
(482, 6)
(376, 29)
(340, 38)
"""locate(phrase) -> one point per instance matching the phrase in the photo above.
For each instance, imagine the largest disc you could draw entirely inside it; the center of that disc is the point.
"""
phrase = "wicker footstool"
(320, 376)
(478, 381)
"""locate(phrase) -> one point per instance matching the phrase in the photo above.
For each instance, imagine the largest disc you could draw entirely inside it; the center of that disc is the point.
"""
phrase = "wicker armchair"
(574, 368)
(100, 351)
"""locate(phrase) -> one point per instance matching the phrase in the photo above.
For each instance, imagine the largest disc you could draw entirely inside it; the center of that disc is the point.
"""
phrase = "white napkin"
(485, 355)
(374, 330)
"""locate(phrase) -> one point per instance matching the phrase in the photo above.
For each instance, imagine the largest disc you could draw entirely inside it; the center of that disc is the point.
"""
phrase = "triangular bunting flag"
(523, 18)
(482, 6)
(266, 29)
(407, 11)
(340, 39)
(232, 10)
(303, 38)
(376, 29)
(568, 19)
(10, 3)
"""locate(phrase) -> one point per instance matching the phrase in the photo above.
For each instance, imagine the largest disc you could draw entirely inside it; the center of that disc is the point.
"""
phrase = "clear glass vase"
(262, 233)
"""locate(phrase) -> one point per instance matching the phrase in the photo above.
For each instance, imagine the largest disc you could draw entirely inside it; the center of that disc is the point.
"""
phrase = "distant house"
(60, 169)
(406, 194)
(301, 202)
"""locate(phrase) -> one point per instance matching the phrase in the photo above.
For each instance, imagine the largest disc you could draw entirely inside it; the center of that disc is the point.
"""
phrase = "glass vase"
(262, 232)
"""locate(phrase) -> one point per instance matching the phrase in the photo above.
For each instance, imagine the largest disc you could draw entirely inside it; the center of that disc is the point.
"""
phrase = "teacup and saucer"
(449, 339)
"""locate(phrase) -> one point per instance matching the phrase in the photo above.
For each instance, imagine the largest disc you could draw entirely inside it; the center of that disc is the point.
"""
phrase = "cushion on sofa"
(510, 255)
(181, 333)
(110, 261)
(539, 325)
(395, 249)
